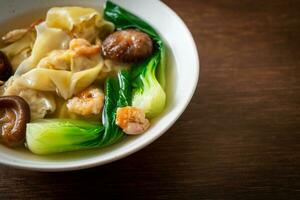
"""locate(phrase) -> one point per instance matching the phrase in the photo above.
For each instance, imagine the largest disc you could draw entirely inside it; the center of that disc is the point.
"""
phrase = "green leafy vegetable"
(118, 94)
(148, 76)
(50, 136)
(59, 135)
(148, 94)
(125, 91)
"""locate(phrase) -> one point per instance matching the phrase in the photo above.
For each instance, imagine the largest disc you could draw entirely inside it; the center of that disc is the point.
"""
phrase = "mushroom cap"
(128, 45)
(15, 115)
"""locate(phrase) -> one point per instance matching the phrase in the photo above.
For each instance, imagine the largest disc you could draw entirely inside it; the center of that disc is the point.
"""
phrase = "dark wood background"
(238, 139)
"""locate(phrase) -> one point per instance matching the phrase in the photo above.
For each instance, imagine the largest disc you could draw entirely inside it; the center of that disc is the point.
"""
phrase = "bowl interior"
(182, 76)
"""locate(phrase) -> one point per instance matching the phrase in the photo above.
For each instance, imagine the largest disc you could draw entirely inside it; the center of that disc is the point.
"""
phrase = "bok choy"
(148, 78)
(60, 135)
(118, 94)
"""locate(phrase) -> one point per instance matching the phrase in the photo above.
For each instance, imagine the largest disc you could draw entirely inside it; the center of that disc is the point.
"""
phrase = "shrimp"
(89, 101)
(132, 120)
(83, 47)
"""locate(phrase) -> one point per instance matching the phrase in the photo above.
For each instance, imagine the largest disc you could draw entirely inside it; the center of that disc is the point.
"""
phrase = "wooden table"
(238, 139)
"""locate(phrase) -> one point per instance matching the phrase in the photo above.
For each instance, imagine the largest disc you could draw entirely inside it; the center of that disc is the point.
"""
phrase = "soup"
(79, 79)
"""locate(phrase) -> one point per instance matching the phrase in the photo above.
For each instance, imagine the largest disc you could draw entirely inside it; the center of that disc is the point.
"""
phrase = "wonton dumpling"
(80, 63)
(68, 60)
(65, 83)
(21, 44)
(19, 58)
(81, 80)
(19, 50)
(57, 59)
(49, 80)
(67, 18)
(82, 22)
(40, 103)
(48, 39)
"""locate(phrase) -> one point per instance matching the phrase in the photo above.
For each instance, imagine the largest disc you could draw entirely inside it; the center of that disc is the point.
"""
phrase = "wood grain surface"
(238, 139)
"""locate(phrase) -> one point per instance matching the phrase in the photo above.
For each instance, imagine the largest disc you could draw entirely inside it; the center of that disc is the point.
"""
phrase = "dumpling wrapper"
(67, 18)
(18, 51)
(40, 103)
(69, 61)
(65, 83)
(48, 39)
(82, 22)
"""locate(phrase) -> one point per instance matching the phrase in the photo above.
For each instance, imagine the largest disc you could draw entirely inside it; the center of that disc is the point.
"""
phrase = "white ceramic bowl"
(182, 72)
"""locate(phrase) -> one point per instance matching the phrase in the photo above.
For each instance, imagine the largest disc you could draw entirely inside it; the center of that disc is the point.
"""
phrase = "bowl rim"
(134, 148)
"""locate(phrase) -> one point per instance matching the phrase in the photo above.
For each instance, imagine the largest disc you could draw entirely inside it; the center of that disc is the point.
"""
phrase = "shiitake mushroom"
(128, 45)
(14, 115)
(5, 67)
